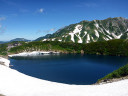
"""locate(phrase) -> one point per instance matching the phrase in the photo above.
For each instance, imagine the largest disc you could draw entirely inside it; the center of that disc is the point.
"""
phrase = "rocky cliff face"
(91, 31)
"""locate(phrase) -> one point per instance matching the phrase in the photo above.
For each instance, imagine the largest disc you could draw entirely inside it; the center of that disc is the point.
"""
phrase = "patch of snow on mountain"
(48, 39)
(66, 35)
(96, 33)
(44, 40)
(107, 31)
(53, 39)
(115, 36)
(77, 29)
(106, 38)
(80, 40)
(72, 36)
(96, 24)
(109, 37)
(92, 38)
(88, 38)
(119, 36)
(60, 40)
(102, 31)
(85, 33)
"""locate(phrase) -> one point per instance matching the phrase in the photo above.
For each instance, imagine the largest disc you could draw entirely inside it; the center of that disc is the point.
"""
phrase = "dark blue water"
(70, 69)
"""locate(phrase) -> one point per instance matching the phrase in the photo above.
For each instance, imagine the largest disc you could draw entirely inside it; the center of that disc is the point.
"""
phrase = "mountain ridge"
(16, 39)
(91, 31)
(20, 39)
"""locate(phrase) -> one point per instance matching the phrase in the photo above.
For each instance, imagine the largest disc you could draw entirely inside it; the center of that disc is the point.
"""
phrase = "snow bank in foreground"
(4, 61)
(14, 83)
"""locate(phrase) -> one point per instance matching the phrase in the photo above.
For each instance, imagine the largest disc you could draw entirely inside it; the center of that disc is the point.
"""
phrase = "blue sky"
(31, 19)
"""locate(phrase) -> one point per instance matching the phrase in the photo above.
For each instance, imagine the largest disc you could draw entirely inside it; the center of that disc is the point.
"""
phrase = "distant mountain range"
(91, 31)
(16, 39)
(1, 42)
(20, 39)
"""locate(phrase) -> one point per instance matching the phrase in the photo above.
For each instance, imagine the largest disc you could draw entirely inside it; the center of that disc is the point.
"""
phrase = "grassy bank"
(121, 72)
(48, 46)
(4, 48)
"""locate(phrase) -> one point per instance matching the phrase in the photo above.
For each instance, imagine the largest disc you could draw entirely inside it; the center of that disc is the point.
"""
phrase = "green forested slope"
(116, 47)
(91, 31)
(121, 72)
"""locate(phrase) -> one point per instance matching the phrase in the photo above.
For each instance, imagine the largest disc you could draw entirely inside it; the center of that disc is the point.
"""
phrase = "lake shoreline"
(34, 53)
(13, 82)
(64, 59)
(106, 81)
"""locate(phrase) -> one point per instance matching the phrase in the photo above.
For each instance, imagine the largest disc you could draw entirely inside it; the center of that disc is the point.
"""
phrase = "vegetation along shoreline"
(117, 47)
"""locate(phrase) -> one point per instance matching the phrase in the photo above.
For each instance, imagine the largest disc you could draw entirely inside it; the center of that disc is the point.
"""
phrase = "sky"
(31, 19)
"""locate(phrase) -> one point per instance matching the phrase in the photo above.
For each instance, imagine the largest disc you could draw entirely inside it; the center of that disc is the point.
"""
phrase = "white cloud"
(41, 10)
(24, 10)
(2, 29)
(14, 15)
(46, 31)
(50, 30)
(53, 29)
(2, 18)
(9, 2)
(88, 5)
(39, 31)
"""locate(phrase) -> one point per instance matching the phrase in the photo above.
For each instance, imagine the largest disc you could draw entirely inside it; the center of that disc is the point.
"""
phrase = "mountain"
(1, 42)
(20, 39)
(91, 31)
(16, 39)
(44, 37)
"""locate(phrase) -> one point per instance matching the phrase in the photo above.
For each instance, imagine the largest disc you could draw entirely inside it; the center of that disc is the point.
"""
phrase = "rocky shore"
(2, 95)
(105, 81)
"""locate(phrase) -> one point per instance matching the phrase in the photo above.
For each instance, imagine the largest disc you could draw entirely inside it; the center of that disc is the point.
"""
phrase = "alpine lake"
(68, 68)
